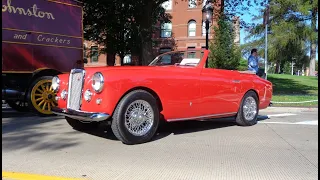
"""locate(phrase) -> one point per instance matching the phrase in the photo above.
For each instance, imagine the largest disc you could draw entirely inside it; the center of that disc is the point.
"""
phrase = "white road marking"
(281, 115)
(308, 122)
(313, 123)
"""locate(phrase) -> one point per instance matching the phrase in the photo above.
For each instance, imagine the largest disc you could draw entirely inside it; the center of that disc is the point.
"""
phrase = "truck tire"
(81, 126)
(18, 105)
(41, 97)
(136, 118)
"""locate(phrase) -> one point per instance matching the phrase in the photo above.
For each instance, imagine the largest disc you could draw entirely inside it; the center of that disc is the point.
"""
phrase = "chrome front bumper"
(81, 115)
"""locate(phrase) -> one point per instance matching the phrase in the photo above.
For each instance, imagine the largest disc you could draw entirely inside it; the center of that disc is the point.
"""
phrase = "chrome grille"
(76, 80)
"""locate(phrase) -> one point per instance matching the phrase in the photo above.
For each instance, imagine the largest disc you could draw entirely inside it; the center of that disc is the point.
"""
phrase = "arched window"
(192, 26)
(166, 29)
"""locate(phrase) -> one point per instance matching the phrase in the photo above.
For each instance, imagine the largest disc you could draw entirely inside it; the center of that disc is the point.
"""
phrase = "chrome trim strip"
(202, 117)
(81, 115)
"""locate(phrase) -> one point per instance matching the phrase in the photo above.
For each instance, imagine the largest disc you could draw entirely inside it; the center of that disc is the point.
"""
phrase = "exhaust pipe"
(11, 94)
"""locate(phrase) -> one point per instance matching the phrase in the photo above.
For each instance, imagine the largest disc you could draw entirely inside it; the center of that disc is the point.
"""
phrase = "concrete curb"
(290, 109)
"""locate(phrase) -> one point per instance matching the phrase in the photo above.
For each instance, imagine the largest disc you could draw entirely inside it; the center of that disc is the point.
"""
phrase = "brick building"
(185, 31)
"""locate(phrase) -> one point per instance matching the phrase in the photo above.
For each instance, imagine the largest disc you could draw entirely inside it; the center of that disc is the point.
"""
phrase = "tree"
(290, 33)
(126, 26)
(224, 53)
(123, 26)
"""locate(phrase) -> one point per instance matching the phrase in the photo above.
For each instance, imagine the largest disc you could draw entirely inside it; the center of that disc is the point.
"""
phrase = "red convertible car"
(176, 86)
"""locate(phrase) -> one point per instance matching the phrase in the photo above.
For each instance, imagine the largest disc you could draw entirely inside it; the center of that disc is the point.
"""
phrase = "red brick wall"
(181, 15)
(102, 58)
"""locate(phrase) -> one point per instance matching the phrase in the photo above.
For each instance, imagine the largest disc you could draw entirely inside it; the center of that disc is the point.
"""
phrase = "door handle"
(236, 81)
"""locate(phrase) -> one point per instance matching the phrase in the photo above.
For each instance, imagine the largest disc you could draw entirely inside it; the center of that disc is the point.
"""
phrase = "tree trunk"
(146, 53)
(312, 64)
(277, 69)
(146, 50)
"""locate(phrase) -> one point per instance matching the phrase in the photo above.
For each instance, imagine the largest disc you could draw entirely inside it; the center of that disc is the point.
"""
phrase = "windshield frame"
(204, 57)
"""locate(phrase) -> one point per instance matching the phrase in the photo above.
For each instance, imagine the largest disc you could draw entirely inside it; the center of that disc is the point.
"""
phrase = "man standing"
(253, 62)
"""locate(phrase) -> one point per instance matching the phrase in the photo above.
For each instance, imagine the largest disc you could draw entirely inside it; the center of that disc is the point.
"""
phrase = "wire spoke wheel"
(139, 117)
(43, 96)
(249, 108)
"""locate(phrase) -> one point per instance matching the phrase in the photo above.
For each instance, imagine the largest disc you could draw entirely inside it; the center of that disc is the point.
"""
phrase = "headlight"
(55, 83)
(97, 82)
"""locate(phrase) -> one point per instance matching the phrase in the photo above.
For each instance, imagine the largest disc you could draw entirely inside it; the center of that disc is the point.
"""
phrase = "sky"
(248, 18)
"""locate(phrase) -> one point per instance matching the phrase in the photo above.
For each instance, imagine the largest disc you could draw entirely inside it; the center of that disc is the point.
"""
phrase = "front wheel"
(136, 118)
(248, 110)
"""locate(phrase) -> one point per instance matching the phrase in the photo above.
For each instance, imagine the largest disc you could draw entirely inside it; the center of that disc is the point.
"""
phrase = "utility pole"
(292, 65)
(266, 22)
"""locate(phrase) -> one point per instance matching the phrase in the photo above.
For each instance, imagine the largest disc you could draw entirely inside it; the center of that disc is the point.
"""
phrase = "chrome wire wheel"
(139, 118)
(249, 108)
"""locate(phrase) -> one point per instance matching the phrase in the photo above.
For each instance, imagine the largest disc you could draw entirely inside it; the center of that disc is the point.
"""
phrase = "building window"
(167, 5)
(191, 52)
(94, 54)
(192, 3)
(202, 50)
(192, 26)
(166, 29)
(127, 59)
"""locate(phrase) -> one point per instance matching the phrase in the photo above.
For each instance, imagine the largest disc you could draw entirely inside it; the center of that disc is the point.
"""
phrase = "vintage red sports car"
(176, 86)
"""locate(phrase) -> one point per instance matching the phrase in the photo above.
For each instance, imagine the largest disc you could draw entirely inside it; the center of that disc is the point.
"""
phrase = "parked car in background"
(40, 39)
(176, 86)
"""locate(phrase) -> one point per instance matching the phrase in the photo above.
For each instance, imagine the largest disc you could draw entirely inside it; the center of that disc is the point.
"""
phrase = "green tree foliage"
(224, 53)
(292, 33)
(243, 65)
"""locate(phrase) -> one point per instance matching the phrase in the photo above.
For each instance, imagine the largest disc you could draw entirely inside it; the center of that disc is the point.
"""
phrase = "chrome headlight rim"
(100, 78)
(55, 83)
(87, 96)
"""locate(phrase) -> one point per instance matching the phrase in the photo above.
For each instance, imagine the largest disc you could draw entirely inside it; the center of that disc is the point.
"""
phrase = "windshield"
(181, 58)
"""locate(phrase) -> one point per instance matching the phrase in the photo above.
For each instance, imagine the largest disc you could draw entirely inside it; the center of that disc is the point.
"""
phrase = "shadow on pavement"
(176, 128)
(25, 130)
(28, 131)
(9, 113)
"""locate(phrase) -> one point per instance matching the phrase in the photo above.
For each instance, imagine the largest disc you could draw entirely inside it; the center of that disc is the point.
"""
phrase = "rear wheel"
(41, 96)
(136, 118)
(249, 109)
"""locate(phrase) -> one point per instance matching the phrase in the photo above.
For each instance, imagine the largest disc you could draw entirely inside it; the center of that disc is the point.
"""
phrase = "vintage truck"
(40, 39)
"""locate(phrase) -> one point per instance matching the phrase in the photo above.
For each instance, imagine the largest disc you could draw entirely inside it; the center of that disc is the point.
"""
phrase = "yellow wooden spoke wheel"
(42, 96)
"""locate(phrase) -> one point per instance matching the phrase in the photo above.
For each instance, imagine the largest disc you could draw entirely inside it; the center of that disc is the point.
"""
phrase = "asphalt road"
(283, 145)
